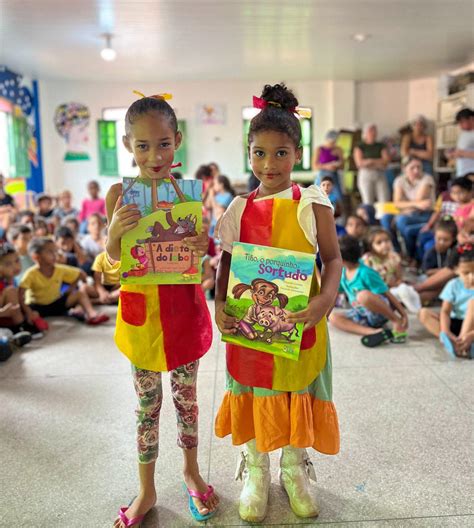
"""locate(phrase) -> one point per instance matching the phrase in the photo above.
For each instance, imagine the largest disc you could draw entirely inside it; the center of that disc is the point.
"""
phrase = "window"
(306, 139)
(114, 158)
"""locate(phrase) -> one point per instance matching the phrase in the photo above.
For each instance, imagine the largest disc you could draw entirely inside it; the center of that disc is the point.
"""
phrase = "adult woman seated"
(371, 158)
(414, 196)
(328, 160)
(419, 144)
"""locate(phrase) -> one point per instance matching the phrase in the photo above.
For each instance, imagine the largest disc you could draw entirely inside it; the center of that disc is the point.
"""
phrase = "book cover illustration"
(265, 285)
(153, 252)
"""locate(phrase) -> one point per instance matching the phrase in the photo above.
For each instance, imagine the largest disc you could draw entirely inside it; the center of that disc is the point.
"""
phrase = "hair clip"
(260, 103)
(447, 218)
(163, 96)
(464, 249)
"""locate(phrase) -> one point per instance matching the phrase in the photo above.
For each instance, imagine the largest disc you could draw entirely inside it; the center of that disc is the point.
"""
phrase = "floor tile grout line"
(449, 388)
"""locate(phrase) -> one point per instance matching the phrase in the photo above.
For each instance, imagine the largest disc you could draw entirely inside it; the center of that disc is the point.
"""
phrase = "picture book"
(265, 285)
(153, 252)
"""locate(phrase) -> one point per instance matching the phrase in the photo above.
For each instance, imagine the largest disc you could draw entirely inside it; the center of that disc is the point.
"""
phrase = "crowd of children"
(56, 261)
(49, 268)
(378, 292)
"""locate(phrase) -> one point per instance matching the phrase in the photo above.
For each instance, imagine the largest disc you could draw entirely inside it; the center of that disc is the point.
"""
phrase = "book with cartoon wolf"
(265, 285)
(153, 252)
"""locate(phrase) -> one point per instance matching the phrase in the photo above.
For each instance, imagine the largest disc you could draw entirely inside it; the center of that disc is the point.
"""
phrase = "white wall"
(222, 144)
(335, 104)
(423, 98)
(384, 103)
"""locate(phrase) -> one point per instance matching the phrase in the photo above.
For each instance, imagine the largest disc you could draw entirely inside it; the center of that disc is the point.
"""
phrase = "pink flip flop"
(135, 521)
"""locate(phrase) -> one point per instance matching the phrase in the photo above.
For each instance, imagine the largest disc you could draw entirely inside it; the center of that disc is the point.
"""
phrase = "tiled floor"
(67, 456)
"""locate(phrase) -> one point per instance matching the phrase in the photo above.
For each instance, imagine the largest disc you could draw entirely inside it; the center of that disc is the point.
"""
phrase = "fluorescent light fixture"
(360, 37)
(108, 53)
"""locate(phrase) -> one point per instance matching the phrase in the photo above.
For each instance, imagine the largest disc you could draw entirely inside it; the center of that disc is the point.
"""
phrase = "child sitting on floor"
(20, 236)
(371, 301)
(94, 242)
(13, 316)
(454, 325)
(445, 233)
(448, 204)
(106, 288)
(42, 285)
(69, 251)
(356, 227)
(382, 258)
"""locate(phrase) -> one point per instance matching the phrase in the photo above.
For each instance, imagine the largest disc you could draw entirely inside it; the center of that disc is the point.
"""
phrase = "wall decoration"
(72, 122)
(17, 101)
(211, 114)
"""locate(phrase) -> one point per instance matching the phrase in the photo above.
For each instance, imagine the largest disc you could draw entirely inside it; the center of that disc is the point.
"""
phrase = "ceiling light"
(360, 37)
(108, 53)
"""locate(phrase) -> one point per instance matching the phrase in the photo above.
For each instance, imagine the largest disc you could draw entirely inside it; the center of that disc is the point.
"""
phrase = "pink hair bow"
(260, 103)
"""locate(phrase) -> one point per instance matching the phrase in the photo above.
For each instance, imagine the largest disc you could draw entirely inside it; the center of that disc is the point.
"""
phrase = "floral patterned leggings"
(148, 386)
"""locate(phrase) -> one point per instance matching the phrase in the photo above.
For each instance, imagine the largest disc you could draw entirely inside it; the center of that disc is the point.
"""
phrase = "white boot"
(254, 470)
(295, 471)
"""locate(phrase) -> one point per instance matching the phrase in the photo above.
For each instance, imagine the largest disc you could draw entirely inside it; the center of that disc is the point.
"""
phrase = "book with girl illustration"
(265, 285)
(153, 252)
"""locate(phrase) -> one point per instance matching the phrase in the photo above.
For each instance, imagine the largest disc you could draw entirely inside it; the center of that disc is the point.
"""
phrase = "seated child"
(27, 217)
(41, 228)
(367, 213)
(370, 299)
(44, 203)
(454, 325)
(69, 251)
(43, 283)
(65, 207)
(382, 258)
(356, 227)
(445, 233)
(448, 204)
(20, 236)
(106, 288)
(327, 186)
(430, 288)
(94, 242)
(13, 315)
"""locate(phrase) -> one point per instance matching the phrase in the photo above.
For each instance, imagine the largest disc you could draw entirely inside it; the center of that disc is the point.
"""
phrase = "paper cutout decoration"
(211, 114)
(72, 121)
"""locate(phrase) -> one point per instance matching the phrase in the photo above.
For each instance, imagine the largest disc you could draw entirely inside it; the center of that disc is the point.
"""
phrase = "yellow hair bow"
(164, 96)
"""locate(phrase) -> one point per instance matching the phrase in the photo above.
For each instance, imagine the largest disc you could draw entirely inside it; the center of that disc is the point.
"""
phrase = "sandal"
(399, 337)
(135, 521)
(373, 340)
(97, 320)
(201, 496)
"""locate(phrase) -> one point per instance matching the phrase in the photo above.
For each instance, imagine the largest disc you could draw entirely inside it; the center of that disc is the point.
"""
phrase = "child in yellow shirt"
(106, 289)
(42, 284)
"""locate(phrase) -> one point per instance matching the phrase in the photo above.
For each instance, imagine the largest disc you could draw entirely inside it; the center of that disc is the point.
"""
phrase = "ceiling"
(228, 39)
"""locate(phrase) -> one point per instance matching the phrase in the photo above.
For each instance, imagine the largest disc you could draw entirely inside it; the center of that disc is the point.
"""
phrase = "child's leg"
(430, 320)
(80, 297)
(183, 389)
(10, 296)
(341, 322)
(466, 334)
(148, 387)
(92, 293)
(377, 305)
